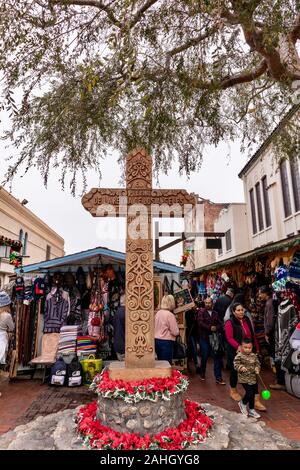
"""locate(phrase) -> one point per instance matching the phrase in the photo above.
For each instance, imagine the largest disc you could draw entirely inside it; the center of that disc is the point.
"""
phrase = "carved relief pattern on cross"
(139, 292)
(139, 273)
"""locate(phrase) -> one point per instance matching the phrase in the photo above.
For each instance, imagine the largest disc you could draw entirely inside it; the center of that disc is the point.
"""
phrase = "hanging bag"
(216, 343)
(180, 349)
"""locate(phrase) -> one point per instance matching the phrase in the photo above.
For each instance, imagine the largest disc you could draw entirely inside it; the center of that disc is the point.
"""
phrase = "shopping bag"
(180, 349)
(90, 367)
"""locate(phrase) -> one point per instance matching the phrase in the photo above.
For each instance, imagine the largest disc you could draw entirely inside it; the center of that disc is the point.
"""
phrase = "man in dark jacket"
(209, 325)
(223, 302)
(119, 330)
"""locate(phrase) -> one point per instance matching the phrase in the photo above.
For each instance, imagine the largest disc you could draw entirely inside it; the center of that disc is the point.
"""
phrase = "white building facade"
(271, 211)
(272, 194)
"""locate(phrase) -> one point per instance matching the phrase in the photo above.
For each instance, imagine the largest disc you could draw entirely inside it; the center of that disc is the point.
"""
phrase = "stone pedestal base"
(118, 371)
(144, 417)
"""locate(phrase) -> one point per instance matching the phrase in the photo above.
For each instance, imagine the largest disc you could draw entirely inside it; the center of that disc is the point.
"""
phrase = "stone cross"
(139, 203)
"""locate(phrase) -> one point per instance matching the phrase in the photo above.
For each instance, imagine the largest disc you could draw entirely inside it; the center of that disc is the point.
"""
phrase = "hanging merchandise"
(57, 307)
(80, 279)
(74, 316)
(281, 274)
(225, 277)
(19, 288)
(38, 288)
(294, 269)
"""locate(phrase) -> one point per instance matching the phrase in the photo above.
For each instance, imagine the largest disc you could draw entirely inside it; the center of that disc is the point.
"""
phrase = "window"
(296, 182)
(259, 207)
(285, 188)
(228, 240)
(266, 201)
(48, 253)
(21, 236)
(25, 244)
(253, 212)
(220, 250)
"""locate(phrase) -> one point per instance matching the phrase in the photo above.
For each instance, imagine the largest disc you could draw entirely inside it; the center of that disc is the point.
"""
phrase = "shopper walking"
(223, 302)
(192, 338)
(166, 329)
(247, 365)
(209, 332)
(238, 328)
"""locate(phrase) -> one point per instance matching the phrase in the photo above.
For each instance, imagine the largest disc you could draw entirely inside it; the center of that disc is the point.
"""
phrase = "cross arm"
(104, 202)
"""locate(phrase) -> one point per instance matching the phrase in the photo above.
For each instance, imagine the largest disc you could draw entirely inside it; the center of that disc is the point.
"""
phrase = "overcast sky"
(217, 180)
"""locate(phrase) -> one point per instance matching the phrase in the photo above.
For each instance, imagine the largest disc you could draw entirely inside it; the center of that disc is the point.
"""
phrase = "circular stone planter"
(144, 417)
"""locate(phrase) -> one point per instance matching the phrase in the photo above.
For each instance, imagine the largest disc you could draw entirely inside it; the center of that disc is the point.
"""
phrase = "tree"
(171, 76)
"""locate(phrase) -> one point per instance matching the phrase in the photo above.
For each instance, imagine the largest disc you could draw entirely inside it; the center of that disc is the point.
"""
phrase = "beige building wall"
(42, 241)
(233, 221)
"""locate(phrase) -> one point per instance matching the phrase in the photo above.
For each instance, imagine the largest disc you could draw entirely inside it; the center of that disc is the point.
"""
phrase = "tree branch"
(192, 42)
(92, 3)
(148, 4)
(295, 33)
(243, 77)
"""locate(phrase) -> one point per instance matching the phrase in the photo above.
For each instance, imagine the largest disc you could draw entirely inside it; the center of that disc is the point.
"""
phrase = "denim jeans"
(205, 352)
(164, 349)
(192, 350)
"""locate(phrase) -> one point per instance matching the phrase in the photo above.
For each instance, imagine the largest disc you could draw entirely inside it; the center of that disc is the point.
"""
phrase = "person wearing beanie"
(6, 324)
(223, 302)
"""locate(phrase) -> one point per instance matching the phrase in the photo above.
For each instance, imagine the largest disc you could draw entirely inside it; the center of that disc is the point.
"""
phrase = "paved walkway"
(23, 400)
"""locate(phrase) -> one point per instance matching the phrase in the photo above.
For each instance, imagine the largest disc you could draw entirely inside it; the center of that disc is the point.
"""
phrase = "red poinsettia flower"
(192, 430)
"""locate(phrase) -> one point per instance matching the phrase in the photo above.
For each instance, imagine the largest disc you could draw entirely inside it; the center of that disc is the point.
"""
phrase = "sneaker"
(202, 377)
(277, 387)
(253, 414)
(220, 382)
(243, 408)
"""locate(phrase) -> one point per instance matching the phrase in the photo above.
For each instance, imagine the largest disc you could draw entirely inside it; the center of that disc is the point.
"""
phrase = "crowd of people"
(224, 330)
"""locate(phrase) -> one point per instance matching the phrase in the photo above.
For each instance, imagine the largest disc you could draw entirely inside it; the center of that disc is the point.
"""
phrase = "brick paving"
(24, 400)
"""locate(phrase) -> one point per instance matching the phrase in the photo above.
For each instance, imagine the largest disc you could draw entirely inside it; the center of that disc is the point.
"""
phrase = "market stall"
(79, 291)
(273, 265)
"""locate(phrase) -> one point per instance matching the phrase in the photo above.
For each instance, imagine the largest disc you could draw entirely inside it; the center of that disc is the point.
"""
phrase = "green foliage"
(99, 75)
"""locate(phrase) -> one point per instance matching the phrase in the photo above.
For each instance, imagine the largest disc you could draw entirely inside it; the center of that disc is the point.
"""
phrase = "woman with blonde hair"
(6, 324)
(166, 329)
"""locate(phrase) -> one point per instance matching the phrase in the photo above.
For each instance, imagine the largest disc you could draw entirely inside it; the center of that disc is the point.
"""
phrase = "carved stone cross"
(139, 203)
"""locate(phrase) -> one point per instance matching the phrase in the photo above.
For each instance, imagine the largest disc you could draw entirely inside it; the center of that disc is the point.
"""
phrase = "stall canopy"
(282, 245)
(90, 258)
